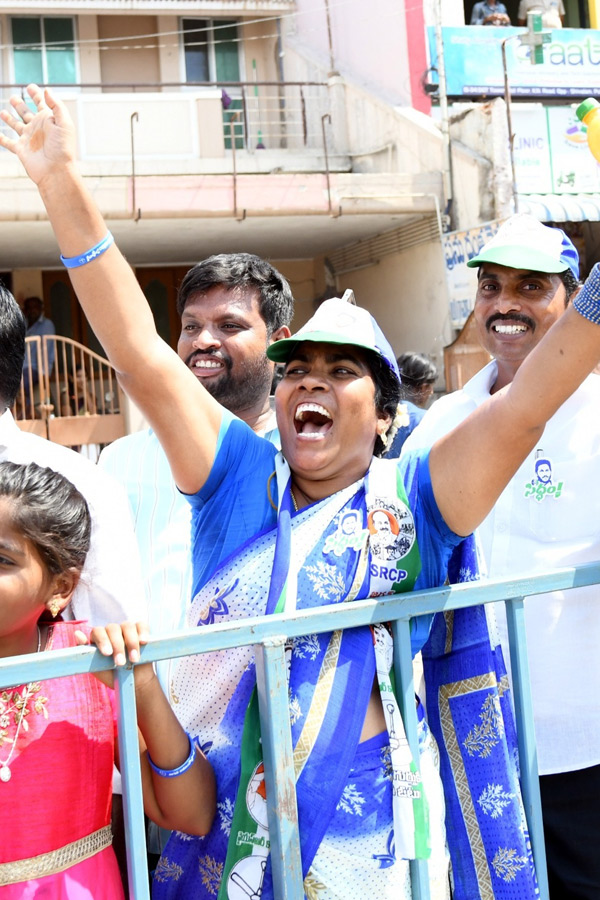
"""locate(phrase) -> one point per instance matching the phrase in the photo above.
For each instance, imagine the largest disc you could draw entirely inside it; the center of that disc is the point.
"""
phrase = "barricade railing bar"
(269, 634)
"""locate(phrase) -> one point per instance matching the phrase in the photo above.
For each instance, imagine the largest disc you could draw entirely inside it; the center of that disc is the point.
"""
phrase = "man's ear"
(280, 334)
(63, 587)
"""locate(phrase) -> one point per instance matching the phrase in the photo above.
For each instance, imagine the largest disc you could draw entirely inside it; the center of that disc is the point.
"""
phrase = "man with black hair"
(35, 367)
(232, 307)
(546, 517)
(489, 12)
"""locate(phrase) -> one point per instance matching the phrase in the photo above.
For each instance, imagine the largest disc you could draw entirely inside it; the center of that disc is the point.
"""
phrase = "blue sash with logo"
(319, 556)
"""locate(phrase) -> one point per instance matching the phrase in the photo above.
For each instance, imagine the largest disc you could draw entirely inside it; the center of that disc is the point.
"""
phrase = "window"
(211, 50)
(211, 53)
(44, 50)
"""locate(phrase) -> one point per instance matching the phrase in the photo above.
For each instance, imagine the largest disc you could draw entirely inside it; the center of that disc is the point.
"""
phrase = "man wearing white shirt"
(546, 517)
(232, 306)
(110, 586)
(552, 12)
(35, 366)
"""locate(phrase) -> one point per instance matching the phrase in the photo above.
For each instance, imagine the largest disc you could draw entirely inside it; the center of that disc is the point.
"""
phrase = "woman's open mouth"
(312, 421)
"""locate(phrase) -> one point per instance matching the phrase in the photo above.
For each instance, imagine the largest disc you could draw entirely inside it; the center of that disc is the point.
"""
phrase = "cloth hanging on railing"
(469, 710)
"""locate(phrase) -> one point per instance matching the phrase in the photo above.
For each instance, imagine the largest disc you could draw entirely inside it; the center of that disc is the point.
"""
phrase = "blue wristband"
(173, 773)
(587, 301)
(74, 262)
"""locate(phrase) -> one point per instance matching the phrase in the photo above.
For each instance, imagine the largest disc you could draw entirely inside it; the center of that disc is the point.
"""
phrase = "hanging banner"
(459, 247)
(473, 63)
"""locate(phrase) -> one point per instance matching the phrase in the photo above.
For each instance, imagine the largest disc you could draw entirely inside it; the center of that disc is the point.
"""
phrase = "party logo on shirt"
(391, 530)
(543, 484)
(349, 534)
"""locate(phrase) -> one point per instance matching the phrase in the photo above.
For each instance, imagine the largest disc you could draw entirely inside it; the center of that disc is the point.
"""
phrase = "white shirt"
(551, 11)
(527, 535)
(161, 517)
(110, 588)
(162, 521)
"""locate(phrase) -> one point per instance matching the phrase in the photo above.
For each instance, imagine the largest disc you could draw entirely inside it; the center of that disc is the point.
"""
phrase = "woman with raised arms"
(334, 523)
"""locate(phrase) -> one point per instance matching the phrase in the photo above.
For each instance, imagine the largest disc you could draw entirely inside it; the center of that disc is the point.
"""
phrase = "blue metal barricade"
(269, 634)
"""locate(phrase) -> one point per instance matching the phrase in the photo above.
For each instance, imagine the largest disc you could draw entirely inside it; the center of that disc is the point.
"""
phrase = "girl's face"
(26, 587)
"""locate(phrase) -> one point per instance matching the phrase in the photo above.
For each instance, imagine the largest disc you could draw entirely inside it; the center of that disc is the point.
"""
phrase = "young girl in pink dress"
(57, 737)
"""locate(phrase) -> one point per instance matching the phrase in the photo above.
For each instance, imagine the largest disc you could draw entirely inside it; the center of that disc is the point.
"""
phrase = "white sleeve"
(111, 588)
(444, 415)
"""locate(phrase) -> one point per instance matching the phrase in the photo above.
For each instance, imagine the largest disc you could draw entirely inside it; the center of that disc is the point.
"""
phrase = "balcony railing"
(68, 394)
(268, 634)
(186, 120)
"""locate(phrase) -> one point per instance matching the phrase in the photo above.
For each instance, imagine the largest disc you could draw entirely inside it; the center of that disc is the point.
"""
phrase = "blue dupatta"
(470, 714)
(212, 692)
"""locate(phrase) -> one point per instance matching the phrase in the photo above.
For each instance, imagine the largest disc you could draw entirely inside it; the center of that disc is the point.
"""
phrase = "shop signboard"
(473, 62)
(551, 152)
(459, 247)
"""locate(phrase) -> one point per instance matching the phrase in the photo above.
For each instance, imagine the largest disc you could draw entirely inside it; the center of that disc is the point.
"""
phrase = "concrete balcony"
(284, 170)
(129, 7)
(268, 127)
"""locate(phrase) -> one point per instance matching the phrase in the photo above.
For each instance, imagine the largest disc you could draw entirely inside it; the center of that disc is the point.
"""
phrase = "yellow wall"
(263, 50)
(89, 55)
(406, 293)
(162, 63)
(594, 10)
(27, 283)
(134, 67)
(169, 52)
(305, 277)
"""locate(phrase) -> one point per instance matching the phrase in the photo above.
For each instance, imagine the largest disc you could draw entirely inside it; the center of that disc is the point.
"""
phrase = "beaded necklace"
(5, 773)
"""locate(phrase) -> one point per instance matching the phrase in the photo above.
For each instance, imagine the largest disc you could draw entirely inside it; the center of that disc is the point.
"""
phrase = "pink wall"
(379, 44)
(417, 54)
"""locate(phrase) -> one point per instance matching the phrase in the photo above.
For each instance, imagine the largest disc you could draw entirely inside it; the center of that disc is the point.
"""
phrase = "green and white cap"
(524, 243)
(338, 321)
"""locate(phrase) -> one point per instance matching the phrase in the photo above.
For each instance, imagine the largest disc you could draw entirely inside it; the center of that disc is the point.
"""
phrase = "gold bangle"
(269, 480)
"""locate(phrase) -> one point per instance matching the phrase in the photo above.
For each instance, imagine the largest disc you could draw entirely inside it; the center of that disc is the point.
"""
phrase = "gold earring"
(54, 607)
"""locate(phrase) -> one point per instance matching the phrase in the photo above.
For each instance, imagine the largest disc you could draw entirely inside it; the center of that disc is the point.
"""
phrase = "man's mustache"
(510, 317)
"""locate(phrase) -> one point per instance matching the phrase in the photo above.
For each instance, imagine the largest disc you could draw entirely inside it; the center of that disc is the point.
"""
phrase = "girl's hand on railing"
(121, 641)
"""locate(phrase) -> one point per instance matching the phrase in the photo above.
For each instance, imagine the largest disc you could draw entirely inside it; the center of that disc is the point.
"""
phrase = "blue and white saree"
(350, 546)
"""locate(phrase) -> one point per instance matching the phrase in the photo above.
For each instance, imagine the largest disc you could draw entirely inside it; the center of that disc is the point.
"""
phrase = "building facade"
(226, 125)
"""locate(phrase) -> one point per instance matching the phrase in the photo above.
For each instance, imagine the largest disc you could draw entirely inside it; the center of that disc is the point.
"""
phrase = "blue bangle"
(173, 773)
(587, 301)
(74, 262)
